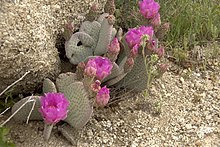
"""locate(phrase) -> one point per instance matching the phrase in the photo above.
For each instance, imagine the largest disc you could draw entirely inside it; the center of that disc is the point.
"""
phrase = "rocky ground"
(181, 110)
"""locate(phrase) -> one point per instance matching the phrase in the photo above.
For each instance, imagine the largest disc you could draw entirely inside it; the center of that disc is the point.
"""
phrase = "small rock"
(90, 133)
(182, 80)
(188, 126)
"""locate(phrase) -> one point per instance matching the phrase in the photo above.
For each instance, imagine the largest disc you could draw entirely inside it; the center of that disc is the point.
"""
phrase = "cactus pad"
(80, 109)
(48, 86)
(23, 113)
(136, 79)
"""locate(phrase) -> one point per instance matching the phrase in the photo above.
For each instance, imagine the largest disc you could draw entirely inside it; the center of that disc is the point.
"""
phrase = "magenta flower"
(100, 66)
(102, 96)
(149, 8)
(53, 107)
(90, 71)
(134, 36)
(104, 67)
(114, 46)
(155, 21)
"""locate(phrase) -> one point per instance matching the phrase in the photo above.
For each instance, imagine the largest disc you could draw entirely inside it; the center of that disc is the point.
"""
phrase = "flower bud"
(102, 97)
(96, 86)
(155, 21)
(134, 51)
(114, 46)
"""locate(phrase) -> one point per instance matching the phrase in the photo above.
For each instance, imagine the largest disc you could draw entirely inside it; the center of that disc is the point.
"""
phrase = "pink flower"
(53, 107)
(114, 46)
(148, 8)
(134, 36)
(102, 96)
(90, 71)
(104, 67)
(155, 21)
(100, 66)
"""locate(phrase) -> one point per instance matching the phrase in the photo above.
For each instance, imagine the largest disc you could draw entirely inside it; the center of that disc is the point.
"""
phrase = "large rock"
(28, 34)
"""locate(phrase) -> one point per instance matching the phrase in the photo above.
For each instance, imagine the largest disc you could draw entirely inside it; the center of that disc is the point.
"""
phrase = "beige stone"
(29, 33)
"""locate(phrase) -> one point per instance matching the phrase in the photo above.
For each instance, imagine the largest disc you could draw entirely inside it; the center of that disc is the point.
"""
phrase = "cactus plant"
(104, 57)
(92, 39)
(80, 108)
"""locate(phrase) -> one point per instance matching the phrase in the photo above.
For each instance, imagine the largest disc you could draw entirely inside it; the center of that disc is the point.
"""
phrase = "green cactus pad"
(105, 36)
(48, 86)
(91, 28)
(80, 109)
(136, 79)
(86, 39)
(23, 113)
(114, 72)
(102, 17)
(75, 52)
(116, 79)
(65, 79)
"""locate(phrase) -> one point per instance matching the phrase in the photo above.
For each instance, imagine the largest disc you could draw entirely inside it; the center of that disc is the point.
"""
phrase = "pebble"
(182, 80)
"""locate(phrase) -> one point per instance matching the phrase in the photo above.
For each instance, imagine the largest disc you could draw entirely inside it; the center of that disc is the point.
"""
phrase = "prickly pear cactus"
(22, 114)
(92, 39)
(137, 78)
(80, 108)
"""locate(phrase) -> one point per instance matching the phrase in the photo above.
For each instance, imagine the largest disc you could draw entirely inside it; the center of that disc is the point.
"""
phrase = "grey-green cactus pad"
(80, 109)
(23, 113)
(64, 80)
(48, 86)
(136, 79)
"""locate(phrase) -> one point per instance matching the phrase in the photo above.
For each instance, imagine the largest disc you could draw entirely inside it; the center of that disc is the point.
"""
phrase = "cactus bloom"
(90, 71)
(149, 8)
(114, 46)
(53, 107)
(155, 21)
(101, 67)
(104, 67)
(102, 96)
(134, 36)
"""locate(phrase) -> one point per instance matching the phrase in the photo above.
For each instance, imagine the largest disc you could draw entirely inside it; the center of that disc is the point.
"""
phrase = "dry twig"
(14, 83)
(29, 100)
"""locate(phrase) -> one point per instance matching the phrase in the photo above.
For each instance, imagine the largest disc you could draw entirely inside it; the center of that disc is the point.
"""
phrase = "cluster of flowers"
(54, 106)
(149, 9)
